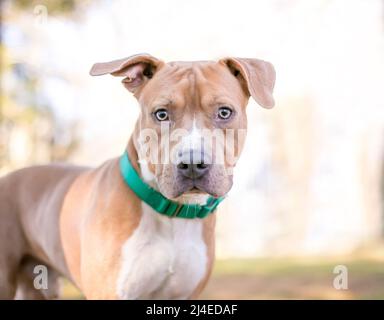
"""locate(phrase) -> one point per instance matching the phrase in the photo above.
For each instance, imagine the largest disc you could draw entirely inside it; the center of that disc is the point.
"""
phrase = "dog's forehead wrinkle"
(189, 85)
(193, 98)
(176, 72)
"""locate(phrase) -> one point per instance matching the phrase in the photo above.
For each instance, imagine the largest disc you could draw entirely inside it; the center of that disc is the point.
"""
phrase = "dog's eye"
(224, 113)
(161, 115)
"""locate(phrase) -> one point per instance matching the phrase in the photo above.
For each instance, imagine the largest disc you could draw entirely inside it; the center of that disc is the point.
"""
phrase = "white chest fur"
(163, 259)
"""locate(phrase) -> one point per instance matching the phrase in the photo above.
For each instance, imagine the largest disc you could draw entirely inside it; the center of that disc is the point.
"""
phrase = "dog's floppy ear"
(136, 70)
(259, 77)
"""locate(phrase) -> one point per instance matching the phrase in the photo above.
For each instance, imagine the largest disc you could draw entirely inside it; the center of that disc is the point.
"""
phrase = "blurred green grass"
(287, 278)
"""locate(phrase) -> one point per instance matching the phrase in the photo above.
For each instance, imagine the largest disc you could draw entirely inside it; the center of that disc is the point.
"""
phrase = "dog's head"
(193, 120)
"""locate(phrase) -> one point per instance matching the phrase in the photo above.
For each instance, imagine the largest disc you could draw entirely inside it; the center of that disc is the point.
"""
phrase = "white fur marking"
(147, 175)
(165, 258)
(193, 139)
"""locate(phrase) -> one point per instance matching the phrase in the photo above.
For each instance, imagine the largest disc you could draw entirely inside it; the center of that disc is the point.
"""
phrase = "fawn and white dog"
(135, 228)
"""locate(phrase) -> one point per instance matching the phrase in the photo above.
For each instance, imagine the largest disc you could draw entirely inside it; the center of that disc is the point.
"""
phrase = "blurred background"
(309, 187)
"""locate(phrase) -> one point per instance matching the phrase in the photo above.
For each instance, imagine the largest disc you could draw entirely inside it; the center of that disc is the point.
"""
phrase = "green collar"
(160, 203)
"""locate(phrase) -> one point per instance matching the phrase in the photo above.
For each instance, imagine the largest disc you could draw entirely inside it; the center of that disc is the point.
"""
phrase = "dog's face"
(193, 120)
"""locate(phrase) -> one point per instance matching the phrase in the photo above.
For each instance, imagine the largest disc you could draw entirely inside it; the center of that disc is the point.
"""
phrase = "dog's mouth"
(195, 191)
(215, 184)
(191, 188)
(193, 195)
(197, 188)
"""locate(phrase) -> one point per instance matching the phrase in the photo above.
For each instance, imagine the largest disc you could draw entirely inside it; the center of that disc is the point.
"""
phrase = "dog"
(135, 228)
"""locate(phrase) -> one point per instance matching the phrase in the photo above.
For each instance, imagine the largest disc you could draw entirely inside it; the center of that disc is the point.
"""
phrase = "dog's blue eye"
(162, 115)
(224, 113)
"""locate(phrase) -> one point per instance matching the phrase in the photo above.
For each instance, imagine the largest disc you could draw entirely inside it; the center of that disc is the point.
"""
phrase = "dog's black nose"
(193, 164)
(193, 171)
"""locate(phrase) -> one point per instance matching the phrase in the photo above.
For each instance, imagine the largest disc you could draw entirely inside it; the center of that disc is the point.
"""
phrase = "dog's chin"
(193, 196)
(181, 191)
(191, 191)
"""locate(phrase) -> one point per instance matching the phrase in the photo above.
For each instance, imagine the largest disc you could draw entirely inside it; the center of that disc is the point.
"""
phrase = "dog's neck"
(133, 155)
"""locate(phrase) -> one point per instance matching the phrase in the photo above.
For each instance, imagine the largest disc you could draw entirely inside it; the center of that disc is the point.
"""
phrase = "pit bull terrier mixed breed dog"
(124, 230)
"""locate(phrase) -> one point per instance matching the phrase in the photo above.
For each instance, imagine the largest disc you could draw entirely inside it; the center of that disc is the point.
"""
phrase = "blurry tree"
(29, 130)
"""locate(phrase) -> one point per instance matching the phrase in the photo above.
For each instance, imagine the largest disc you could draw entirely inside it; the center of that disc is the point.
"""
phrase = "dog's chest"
(163, 259)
